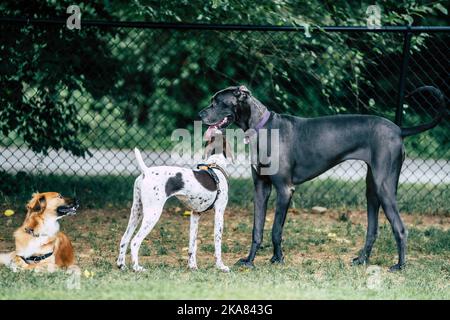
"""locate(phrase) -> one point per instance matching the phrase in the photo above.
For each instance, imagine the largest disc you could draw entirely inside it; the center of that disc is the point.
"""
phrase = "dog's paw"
(397, 267)
(122, 267)
(51, 268)
(359, 261)
(277, 260)
(223, 268)
(14, 268)
(73, 270)
(193, 267)
(244, 263)
(139, 268)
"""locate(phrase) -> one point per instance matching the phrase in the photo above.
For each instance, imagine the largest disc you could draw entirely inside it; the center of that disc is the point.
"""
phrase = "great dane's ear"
(242, 93)
(37, 203)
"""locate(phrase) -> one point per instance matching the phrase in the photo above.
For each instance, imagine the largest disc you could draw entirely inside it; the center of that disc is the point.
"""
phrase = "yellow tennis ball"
(87, 273)
(187, 213)
(9, 212)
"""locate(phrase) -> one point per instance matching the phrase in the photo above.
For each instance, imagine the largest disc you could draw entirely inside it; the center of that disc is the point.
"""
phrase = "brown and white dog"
(39, 244)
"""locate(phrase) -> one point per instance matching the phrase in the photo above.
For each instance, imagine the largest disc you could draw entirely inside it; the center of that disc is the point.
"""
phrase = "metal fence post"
(403, 71)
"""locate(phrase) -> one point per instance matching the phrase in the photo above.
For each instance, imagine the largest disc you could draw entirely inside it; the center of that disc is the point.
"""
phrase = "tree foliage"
(50, 75)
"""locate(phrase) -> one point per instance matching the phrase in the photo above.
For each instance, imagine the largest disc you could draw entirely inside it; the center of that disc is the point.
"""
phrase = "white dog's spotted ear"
(242, 93)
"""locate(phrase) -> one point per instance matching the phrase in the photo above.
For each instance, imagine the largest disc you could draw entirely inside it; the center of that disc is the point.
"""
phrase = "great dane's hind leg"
(284, 195)
(386, 182)
(135, 219)
(390, 208)
(373, 208)
(263, 187)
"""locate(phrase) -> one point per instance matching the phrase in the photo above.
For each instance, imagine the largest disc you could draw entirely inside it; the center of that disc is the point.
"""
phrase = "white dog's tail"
(5, 258)
(141, 163)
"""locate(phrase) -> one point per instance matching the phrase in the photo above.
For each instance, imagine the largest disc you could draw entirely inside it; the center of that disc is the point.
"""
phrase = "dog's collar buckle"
(208, 167)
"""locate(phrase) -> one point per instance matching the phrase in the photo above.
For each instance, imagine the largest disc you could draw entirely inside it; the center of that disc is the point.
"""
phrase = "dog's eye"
(60, 196)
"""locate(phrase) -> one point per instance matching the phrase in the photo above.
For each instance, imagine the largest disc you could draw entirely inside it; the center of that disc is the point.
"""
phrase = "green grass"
(317, 262)
(116, 191)
(312, 280)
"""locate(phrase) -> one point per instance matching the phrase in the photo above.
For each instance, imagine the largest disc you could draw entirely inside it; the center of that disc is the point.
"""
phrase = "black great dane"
(312, 146)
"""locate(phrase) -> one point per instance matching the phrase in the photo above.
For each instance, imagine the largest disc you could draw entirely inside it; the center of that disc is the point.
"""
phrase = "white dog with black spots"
(195, 188)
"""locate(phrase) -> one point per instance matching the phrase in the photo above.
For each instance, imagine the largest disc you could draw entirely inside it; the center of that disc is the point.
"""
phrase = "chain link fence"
(117, 87)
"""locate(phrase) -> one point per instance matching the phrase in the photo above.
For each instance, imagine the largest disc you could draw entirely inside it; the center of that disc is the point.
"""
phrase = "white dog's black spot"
(205, 179)
(174, 184)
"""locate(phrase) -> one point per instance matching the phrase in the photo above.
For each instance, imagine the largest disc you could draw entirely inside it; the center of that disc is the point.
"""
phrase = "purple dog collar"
(263, 120)
(258, 126)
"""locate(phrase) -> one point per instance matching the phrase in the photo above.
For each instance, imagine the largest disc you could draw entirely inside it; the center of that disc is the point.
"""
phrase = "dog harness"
(36, 259)
(209, 168)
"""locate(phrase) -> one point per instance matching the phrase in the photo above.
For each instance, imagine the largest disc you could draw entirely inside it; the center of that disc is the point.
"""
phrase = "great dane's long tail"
(141, 163)
(441, 112)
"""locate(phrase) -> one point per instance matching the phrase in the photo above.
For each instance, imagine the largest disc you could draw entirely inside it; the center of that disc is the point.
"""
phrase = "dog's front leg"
(17, 264)
(192, 263)
(284, 195)
(263, 187)
(218, 230)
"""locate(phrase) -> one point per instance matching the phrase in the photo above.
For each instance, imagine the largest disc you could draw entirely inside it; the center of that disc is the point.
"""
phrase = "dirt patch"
(333, 235)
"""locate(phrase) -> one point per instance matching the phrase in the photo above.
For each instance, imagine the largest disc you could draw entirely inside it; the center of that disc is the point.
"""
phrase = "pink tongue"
(210, 133)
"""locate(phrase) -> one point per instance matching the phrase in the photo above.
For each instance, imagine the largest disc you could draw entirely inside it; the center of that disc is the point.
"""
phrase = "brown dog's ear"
(242, 93)
(227, 150)
(37, 203)
(209, 148)
(213, 147)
